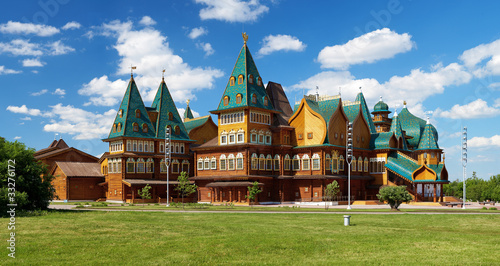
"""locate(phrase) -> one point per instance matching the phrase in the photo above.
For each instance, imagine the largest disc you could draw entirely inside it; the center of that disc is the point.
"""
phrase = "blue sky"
(64, 65)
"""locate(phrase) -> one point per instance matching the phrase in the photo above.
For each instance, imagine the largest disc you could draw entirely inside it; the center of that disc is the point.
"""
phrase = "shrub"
(493, 208)
(485, 208)
(394, 195)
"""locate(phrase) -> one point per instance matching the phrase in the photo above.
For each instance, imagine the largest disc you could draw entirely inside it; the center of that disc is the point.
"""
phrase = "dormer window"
(114, 128)
(240, 79)
(259, 81)
(254, 98)
(250, 79)
(119, 129)
(238, 98)
(226, 100)
(120, 113)
(136, 127)
(231, 81)
(265, 101)
(170, 116)
(137, 113)
(144, 128)
(177, 130)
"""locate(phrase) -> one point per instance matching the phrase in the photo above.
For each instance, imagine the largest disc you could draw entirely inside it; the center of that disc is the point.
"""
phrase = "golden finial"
(132, 70)
(245, 37)
(163, 75)
(404, 103)
(187, 102)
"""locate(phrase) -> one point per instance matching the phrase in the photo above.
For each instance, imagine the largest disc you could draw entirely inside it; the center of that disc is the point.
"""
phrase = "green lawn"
(154, 238)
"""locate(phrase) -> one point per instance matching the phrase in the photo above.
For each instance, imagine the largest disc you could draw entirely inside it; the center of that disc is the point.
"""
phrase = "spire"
(168, 115)
(428, 140)
(366, 113)
(132, 119)
(188, 114)
(397, 129)
(245, 82)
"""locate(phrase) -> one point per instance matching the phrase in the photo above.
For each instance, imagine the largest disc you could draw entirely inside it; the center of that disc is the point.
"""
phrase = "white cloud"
(197, 32)
(497, 103)
(147, 21)
(232, 10)
(24, 110)
(206, 47)
(27, 118)
(106, 93)
(13, 27)
(71, 25)
(476, 109)
(17, 137)
(483, 142)
(34, 71)
(58, 48)
(273, 43)
(35, 62)
(80, 123)
(21, 47)
(368, 48)
(182, 110)
(494, 86)
(39, 92)
(149, 50)
(59, 91)
(5, 71)
(483, 60)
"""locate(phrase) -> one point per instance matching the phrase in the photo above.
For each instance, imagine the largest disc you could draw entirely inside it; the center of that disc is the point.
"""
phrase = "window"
(261, 138)
(135, 145)
(200, 164)
(276, 162)
(177, 130)
(240, 138)
(114, 128)
(269, 163)
(316, 162)
(135, 127)
(226, 100)
(120, 113)
(151, 146)
(140, 165)
(353, 164)
(254, 98)
(360, 164)
(223, 139)
(250, 79)
(231, 81)
(170, 116)
(185, 166)
(328, 162)
(182, 148)
(255, 162)
(206, 163)
(232, 139)
(137, 113)
(140, 146)
(146, 146)
(300, 136)
(129, 145)
(130, 165)
(341, 163)
(335, 163)
(119, 167)
(259, 81)
(144, 128)
(253, 138)
(238, 98)
(163, 167)
(309, 135)
(213, 163)
(150, 166)
(176, 147)
(286, 163)
(239, 161)
(240, 79)
(222, 162)
(175, 166)
(296, 163)
(305, 162)
(265, 101)
(230, 162)
(262, 162)
(366, 164)
(161, 147)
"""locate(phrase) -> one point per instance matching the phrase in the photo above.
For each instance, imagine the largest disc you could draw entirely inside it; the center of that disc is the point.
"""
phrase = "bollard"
(347, 220)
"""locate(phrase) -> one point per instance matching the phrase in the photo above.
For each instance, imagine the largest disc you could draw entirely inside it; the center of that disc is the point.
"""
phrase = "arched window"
(328, 162)
(185, 166)
(119, 128)
(366, 164)
(239, 161)
(175, 166)
(222, 162)
(240, 79)
(306, 162)
(130, 165)
(262, 162)
(226, 100)
(238, 98)
(114, 128)
(150, 166)
(250, 79)
(286, 162)
(163, 167)
(177, 130)
(140, 165)
(206, 164)
(353, 164)
(120, 113)
(259, 81)
(231, 81)
(170, 116)
(276, 162)
(135, 127)
(360, 164)
(255, 162)
(213, 163)
(254, 98)
(200, 164)
(316, 165)
(230, 162)
(265, 101)
(137, 113)
(144, 128)
(269, 162)
(296, 163)
(341, 163)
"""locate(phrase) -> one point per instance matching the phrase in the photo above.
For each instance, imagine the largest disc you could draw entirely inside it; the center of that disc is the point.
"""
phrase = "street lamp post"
(349, 153)
(167, 160)
(464, 162)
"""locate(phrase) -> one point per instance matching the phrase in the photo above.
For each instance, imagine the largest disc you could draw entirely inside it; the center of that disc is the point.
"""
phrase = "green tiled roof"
(396, 128)
(381, 106)
(380, 141)
(427, 140)
(245, 66)
(131, 102)
(196, 122)
(414, 127)
(366, 112)
(164, 105)
(188, 113)
(325, 108)
(438, 168)
(401, 165)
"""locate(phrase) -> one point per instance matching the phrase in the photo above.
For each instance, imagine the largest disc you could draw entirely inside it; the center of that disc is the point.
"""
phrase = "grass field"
(157, 238)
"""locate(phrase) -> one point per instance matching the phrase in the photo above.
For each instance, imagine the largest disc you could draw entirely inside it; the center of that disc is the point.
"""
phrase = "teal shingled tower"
(188, 114)
(428, 140)
(366, 112)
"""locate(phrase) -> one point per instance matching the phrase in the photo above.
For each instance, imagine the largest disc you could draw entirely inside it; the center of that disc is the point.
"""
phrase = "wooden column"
(434, 192)
(311, 190)
(230, 194)
(133, 194)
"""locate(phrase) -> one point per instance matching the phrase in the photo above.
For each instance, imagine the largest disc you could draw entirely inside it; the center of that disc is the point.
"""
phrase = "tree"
(144, 193)
(331, 191)
(184, 187)
(33, 188)
(394, 195)
(253, 191)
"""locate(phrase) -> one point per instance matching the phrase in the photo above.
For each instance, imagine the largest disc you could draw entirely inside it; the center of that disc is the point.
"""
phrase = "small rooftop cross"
(132, 70)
